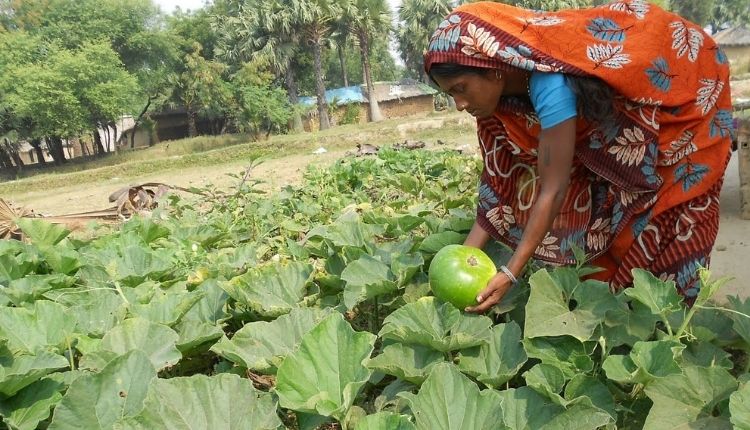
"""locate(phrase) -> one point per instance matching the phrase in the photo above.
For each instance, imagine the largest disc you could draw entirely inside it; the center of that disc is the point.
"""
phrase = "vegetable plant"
(311, 307)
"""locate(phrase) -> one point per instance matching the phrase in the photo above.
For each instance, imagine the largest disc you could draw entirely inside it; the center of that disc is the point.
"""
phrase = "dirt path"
(276, 173)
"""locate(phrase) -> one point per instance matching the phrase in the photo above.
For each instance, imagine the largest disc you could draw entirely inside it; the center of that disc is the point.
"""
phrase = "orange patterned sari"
(644, 191)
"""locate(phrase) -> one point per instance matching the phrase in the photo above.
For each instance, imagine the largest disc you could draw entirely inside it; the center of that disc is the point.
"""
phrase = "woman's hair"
(451, 70)
(594, 97)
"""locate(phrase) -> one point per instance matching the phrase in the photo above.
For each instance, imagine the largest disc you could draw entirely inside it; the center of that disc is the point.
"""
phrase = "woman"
(606, 129)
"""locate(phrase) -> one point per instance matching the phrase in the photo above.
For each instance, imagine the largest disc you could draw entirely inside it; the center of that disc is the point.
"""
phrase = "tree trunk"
(107, 138)
(55, 146)
(68, 146)
(12, 150)
(138, 121)
(192, 127)
(320, 88)
(98, 148)
(5, 160)
(291, 90)
(342, 61)
(114, 134)
(364, 48)
(37, 145)
(84, 148)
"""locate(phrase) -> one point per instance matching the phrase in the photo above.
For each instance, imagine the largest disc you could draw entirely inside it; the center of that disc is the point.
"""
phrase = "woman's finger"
(487, 303)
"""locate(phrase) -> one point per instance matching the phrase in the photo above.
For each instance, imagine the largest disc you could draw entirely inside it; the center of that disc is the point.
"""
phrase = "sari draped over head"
(644, 188)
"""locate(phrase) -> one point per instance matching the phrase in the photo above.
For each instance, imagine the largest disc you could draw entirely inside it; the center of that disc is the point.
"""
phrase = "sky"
(168, 6)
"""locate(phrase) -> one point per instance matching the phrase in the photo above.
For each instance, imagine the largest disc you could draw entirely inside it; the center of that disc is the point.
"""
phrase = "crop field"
(310, 308)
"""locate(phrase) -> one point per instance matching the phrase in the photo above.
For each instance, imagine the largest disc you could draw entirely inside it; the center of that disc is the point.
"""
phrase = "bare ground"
(731, 256)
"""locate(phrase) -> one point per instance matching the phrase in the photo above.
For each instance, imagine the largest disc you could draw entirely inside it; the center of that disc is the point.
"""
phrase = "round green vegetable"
(458, 273)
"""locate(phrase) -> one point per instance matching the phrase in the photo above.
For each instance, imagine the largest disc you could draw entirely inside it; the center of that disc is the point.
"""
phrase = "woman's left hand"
(492, 293)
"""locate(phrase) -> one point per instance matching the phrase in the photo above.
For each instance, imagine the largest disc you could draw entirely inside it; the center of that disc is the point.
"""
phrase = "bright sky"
(168, 6)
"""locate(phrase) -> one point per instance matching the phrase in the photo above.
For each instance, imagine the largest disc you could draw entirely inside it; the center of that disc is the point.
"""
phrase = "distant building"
(79, 146)
(395, 99)
(735, 41)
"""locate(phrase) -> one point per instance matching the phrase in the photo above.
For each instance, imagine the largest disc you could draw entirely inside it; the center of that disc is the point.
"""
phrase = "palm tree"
(263, 31)
(314, 18)
(418, 19)
(368, 18)
(340, 38)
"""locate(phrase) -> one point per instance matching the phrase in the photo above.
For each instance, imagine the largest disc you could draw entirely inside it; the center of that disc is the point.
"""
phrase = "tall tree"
(417, 20)
(314, 18)
(263, 32)
(340, 39)
(697, 11)
(368, 18)
(199, 87)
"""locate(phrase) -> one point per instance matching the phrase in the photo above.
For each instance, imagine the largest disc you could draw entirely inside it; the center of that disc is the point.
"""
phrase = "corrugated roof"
(402, 90)
(384, 91)
(342, 96)
(733, 36)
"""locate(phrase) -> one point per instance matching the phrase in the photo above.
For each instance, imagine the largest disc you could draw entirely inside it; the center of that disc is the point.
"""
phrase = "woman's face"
(477, 94)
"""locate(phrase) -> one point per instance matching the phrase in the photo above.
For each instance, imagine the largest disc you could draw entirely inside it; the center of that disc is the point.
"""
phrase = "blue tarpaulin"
(341, 96)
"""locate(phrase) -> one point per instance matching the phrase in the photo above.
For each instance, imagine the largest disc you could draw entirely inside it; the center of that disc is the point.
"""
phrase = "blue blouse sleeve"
(553, 101)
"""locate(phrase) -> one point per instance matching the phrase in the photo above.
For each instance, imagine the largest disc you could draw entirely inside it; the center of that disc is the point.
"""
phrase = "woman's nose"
(460, 104)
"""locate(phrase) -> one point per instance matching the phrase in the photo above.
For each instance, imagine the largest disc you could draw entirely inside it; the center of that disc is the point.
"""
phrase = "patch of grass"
(218, 150)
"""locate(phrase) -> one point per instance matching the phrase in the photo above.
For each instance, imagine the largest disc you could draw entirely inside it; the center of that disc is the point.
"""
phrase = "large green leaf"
(262, 346)
(166, 307)
(348, 230)
(194, 334)
(365, 278)
(411, 363)
(437, 241)
(546, 380)
(97, 401)
(548, 311)
(594, 389)
(156, 340)
(660, 296)
(405, 267)
(525, 409)
(27, 408)
(272, 290)
(19, 371)
(741, 322)
(42, 232)
(628, 323)
(47, 326)
(684, 398)
(739, 407)
(439, 325)
(499, 360)
(96, 311)
(384, 421)
(646, 362)
(327, 371)
(211, 308)
(205, 402)
(32, 287)
(705, 354)
(61, 259)
(136, 263)
(448, 400)
(566, 353)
